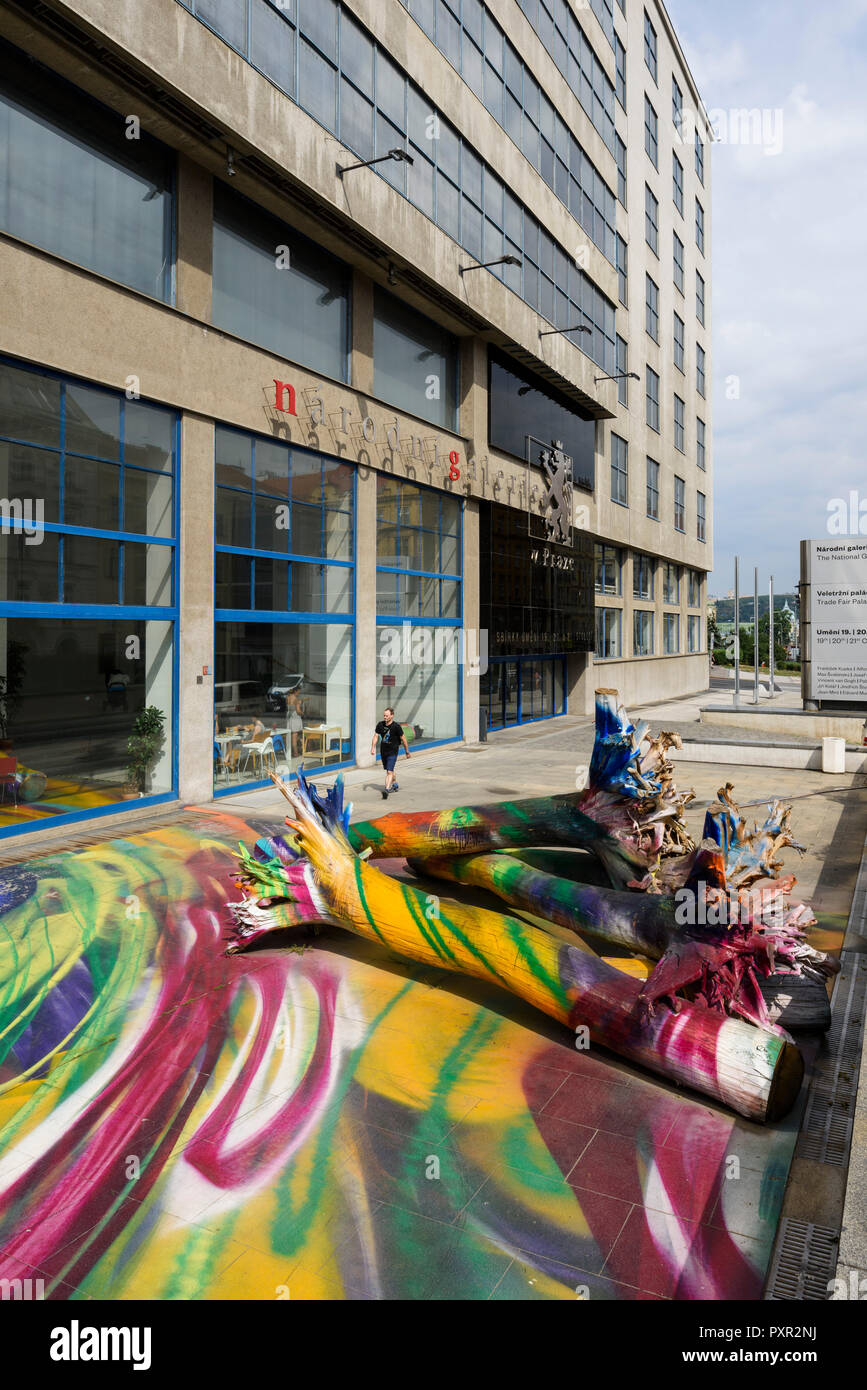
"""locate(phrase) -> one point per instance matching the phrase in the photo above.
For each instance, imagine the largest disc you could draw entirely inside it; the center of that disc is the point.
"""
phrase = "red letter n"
(278, 399)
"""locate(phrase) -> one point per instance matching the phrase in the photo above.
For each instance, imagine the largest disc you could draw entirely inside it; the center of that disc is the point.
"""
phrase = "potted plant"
(144, 746)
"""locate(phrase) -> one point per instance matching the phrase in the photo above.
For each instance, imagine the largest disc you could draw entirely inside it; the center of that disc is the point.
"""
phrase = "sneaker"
(395, 787)
(385, 793)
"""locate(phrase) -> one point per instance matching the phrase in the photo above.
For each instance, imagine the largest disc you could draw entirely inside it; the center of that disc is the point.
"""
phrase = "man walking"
(392, 736)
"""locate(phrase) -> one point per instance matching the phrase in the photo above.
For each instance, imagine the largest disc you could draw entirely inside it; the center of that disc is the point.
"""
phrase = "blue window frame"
(419, 606)
(90, 593)
(284, 606)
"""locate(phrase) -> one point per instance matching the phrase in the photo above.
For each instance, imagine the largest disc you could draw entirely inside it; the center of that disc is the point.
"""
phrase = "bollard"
(833, 755)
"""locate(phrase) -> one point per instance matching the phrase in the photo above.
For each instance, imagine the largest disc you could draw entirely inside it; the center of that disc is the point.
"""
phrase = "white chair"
(261, 753)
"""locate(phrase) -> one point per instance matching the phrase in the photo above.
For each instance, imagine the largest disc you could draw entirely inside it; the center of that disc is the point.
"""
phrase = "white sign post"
(837, 629)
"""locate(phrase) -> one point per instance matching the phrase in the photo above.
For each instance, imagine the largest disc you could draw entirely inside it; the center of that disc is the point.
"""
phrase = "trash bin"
(483, 724)
(833, 755)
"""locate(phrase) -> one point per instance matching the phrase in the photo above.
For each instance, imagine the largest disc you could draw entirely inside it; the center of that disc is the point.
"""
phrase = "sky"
(789, 273)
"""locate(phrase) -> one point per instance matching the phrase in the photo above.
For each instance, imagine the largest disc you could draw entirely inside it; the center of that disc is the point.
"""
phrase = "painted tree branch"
(320, 876)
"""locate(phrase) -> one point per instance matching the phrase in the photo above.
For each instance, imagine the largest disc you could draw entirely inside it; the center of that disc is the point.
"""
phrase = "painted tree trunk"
(700, 935)
(629, 815)
(754, 1071)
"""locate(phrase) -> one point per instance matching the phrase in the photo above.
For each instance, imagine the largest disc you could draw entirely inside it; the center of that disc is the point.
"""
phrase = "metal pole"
(737, 633)
(756, 634)
(771, 638)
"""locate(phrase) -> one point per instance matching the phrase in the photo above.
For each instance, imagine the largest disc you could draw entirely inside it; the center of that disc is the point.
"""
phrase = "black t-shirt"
(391, 735)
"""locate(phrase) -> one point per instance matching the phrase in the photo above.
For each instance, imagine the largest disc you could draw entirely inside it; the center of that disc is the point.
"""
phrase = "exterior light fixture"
(481, 265)
(579, 328)
(616, 377)
(230, 162)
(400, 156)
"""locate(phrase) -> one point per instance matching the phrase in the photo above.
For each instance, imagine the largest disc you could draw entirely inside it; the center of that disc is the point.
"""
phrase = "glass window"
(671, 633)
(679, 424)
(73, 686)
(642, 632)
(653, 489)
(678, 263)
(699, 369)
(699, 157)
(522, 406)
(418, 676)
(111, 203)
(274, 287)
(414, 361)
(621, 270)
(651, 315)
(608, 622)
(621, 170)
(651, 220)
(694, 588)
(620, 64)
(652, 398)
(679, 337)
(670, 582)
(699, 226)
(651, 127)
(608, 569)
(649, 45)
(701, 519)
(699, 297)
(619, 471)
(676, 103)
(272, 44)
(642, 576)
(679, 504)
(294, 678)
(228, 17)
(677, 171)
(693, 629)
(700, 455)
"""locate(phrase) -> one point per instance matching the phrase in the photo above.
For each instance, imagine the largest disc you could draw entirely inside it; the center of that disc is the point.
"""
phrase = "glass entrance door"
(518, 690)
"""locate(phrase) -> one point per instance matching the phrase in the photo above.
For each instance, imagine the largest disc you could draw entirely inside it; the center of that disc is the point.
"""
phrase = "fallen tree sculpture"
(629, 815)
(319, 877)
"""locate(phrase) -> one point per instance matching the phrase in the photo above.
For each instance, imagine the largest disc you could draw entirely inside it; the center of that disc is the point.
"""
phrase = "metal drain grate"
(805, 1262)
(826, 1132)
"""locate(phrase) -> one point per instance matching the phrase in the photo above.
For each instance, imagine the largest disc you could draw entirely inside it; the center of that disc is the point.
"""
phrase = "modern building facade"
(318, 353)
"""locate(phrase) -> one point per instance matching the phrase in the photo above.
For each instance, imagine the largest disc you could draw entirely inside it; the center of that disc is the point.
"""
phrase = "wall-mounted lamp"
(230, 162)
(579, 328)
(400, 156)
(482, 265)
(617, 376)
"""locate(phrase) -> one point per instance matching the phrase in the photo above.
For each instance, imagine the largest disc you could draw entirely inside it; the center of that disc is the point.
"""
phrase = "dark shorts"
(388, 760)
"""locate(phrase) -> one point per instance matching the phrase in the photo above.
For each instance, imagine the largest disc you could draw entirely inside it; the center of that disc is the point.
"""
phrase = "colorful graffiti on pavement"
(328, 1122)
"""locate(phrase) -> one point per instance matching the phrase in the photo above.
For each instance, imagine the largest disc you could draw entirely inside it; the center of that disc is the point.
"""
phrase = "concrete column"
(474, 644)
(195, 239)
(196, 718)
(361, 353)
(365, 617)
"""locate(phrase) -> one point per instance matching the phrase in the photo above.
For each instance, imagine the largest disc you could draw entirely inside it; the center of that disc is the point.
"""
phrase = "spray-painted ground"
(331, 1123)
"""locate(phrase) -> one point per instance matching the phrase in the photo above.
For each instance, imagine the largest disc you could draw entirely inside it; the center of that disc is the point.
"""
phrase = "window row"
(280, 586)
(609, 563)
(679, 511)
(326, 62)
(472, 40)
(609, 636)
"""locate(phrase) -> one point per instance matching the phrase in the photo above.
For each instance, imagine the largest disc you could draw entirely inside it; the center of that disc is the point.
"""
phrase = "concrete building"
(317, 381)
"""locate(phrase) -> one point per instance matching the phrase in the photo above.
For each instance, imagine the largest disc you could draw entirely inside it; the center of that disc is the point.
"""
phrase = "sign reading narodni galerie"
(838, 620)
